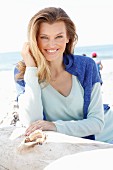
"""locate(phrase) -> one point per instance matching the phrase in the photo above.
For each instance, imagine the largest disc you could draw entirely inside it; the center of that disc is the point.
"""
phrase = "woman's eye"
(60, 36)
(44, 38)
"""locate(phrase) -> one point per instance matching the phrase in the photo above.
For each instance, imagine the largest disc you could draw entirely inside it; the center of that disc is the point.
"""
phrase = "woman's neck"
(56, 68)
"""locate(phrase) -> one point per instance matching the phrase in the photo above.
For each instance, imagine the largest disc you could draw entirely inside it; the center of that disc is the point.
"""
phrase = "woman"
(57, 90)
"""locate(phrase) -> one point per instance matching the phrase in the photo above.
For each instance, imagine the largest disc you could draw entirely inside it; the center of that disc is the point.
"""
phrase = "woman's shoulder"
(81, 57)
(84, 60)
(78, 61)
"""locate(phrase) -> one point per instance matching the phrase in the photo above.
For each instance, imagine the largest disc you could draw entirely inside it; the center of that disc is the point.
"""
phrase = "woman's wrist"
(30, 74)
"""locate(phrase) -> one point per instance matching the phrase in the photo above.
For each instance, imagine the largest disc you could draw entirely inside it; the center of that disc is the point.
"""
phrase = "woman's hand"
(40, 124)
(27, 57)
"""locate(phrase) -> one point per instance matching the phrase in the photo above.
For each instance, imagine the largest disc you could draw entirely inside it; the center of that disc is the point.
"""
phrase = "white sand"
(8, 90)
(7, 95)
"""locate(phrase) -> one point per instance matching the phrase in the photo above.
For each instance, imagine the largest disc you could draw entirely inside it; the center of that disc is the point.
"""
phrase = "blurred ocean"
(103, 51)
(8, 60)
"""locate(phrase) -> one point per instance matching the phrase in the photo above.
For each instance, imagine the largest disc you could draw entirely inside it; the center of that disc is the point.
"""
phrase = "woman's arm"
(80, 128)
(29, 91)
(30, 103)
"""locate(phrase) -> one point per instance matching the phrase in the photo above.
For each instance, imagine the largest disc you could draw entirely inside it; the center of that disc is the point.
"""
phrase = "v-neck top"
(56, 105)
(67, 112)
(31, 100)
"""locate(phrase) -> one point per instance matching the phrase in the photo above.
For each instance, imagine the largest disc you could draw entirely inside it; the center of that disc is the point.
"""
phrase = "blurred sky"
(93, 19)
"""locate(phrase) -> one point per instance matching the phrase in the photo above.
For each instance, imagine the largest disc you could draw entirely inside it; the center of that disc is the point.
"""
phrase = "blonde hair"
(49, 15)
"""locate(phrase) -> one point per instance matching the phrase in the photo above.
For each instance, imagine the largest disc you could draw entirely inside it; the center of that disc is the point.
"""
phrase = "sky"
(93, 20)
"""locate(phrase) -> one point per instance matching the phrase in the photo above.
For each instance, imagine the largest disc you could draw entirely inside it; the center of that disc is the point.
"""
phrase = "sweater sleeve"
(29, 101)
(94, 122)
(19, 84)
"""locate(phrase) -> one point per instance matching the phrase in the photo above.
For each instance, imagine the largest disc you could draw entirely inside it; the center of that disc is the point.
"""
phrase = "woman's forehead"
(58, 27)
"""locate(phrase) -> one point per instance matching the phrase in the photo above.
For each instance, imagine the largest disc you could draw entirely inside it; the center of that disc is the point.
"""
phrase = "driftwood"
(41, 157)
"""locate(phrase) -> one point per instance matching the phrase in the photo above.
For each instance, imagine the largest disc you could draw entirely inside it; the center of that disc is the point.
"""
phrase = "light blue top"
(82, 67)
(62, 110)
(84, 122)
(66, 112)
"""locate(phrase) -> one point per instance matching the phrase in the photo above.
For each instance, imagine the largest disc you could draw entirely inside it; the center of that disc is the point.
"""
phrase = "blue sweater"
(86, 71)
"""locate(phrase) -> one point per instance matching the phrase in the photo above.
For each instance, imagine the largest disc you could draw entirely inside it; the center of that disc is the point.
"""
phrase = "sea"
(8, 60)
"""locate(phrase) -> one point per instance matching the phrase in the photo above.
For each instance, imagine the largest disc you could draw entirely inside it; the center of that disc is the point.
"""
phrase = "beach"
(7, 97)
(8, 107)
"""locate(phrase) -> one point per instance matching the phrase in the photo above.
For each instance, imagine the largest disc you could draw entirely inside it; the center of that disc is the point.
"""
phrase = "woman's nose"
(52, 43)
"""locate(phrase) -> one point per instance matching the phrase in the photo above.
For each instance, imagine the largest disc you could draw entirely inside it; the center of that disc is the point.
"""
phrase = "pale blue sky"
(93, 19)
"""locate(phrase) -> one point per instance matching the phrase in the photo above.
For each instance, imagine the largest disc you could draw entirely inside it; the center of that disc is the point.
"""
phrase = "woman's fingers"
(41, 124)
(27, 57)
(32, 128)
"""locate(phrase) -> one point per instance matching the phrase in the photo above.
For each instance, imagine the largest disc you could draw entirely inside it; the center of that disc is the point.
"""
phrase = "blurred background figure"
(99, 64)
(84, 54)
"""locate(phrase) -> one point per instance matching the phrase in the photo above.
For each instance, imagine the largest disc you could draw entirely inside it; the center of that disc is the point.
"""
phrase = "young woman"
(57, 90)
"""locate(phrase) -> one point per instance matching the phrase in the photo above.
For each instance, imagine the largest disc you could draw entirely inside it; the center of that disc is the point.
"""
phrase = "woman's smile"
(51, 52)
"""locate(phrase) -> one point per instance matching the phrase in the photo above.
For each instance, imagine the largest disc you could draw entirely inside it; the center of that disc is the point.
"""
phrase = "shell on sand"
(38, 157)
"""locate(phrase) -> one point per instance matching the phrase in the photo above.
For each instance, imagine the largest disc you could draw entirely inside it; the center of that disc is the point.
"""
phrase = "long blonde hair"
(49, 15)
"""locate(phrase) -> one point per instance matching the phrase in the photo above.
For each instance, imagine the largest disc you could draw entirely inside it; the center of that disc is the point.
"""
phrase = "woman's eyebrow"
(60, 33)
(47, 35)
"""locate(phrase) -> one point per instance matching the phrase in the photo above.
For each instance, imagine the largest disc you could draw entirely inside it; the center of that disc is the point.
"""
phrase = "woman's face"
(52, 39)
